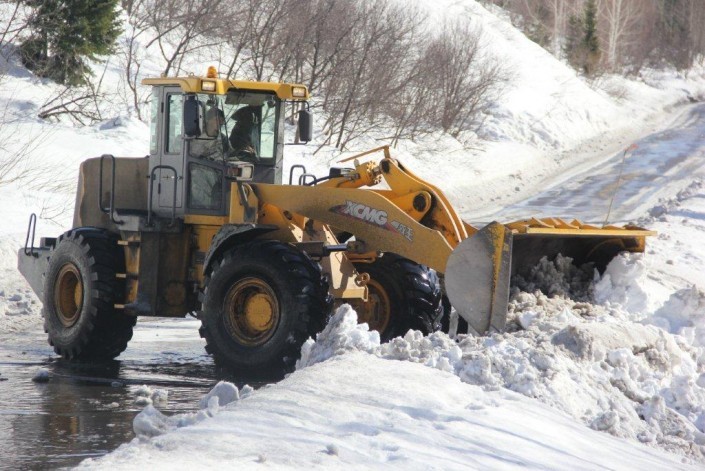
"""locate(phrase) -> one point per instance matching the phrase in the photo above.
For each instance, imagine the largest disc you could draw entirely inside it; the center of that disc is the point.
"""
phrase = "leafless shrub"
(16, 163)
(17, 146)
(377, 60)
(467, 79)
(81, 105)
(12, 27)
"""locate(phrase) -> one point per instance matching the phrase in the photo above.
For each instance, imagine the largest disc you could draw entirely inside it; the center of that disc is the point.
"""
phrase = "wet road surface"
(673, 154)
(87, 409)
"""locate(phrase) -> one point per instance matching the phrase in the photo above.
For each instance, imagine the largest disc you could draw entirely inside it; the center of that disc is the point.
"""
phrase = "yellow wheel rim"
(68, 295)
(251, 311)
(377, 311)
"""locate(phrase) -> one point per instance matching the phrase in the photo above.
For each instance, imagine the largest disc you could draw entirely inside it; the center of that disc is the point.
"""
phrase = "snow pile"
(558, 277)
(592, 361)
(41, 376)
(151, 423)
(146, 396)
(666, 205)
(342, 334)
(623, 284)
(683, 314)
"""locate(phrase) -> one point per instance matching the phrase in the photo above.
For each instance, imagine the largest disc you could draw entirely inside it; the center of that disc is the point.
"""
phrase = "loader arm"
(374, 219)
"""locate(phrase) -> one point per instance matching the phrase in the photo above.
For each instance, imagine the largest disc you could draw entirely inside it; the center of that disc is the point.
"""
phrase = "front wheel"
(402, 295)
(261, 302)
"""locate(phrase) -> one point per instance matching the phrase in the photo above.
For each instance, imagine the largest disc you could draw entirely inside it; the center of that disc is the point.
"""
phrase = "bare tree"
(131, 54)
(619, 20)
(17, 145)
(12, 26)
(560, 12)
(182, 28)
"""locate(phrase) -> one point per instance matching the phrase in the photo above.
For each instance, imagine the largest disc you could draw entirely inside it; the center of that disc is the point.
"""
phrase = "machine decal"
(406, 231)
(375, 217)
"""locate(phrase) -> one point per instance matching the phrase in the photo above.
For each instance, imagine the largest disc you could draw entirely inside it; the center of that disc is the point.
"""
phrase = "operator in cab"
(206, 147)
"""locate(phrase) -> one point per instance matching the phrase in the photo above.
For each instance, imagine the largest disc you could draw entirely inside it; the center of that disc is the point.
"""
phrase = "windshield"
(238, 126)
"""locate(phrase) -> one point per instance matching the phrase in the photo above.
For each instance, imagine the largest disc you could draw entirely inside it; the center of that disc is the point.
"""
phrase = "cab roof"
(194, 84)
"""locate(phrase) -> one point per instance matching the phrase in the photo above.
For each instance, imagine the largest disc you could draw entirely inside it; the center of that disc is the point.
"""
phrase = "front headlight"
(240, 171)
(298, 92)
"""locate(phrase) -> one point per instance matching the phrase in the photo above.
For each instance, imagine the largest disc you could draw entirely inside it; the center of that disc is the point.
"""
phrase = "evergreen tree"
(66, 33)
(590, 43)
(582, 46)
(573, 40)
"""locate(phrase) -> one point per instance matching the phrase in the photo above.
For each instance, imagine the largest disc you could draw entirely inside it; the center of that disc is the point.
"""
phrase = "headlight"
(240, 171)
(208, 85)
(298, 92)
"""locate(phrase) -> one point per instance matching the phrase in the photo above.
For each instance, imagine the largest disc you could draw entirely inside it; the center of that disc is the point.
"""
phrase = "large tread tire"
(97, 331)
(302, 299)
(414, 293)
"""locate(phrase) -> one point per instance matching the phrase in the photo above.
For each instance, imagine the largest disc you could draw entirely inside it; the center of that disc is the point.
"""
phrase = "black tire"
(412, 290)
(80, 291)
(296, 303)
(445, 321)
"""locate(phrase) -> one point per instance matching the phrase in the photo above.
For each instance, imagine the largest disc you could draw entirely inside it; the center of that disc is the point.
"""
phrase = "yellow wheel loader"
(205, 224)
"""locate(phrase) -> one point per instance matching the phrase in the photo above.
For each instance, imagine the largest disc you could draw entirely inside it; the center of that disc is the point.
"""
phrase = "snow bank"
(357, 411)
(592, 361)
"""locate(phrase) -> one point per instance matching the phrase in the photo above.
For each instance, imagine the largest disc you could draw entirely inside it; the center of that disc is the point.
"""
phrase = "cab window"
(153, 124)
(174, 125)
(205, 187)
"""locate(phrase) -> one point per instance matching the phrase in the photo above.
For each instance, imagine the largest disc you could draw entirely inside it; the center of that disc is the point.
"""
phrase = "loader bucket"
(479, 270)
(477, 278)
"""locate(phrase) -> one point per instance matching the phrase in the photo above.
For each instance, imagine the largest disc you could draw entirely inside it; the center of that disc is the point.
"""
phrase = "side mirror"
(214, 119)
(305, 126)
(192, 122)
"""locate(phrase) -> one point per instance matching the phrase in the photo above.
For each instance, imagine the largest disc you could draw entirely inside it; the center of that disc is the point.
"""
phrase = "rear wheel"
(261, 302)
(80, 291)
(403, 295)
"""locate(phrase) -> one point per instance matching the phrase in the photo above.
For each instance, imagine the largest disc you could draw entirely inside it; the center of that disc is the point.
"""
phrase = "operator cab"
(207, 132)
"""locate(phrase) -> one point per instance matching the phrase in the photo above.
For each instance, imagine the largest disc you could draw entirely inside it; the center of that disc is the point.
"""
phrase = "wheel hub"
(251, 311)
(68, 295)
(258, 312)
(377, 311)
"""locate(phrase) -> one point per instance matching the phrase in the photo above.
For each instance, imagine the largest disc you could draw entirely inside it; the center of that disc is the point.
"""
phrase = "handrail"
(291, 172)
(29, 251)
(111, 209)
(304, 178)
(151, 193)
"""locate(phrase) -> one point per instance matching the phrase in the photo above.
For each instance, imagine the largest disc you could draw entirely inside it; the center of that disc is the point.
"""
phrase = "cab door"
(174, 147)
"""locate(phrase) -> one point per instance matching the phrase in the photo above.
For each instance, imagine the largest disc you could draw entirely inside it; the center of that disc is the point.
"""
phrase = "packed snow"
(343, 408)
(594, 371)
